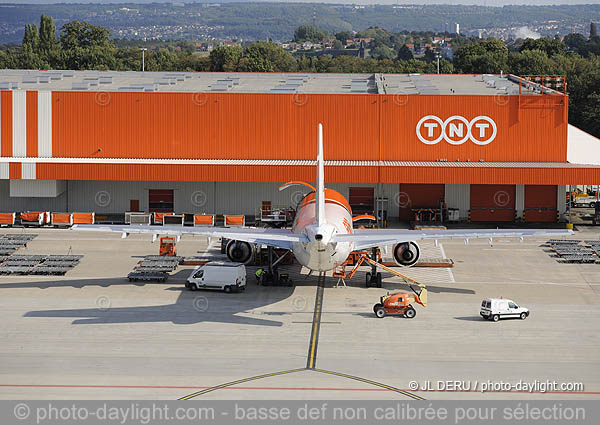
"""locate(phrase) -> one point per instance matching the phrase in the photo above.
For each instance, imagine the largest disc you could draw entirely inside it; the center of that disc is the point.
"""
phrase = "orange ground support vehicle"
(397, 303)
(167, 247)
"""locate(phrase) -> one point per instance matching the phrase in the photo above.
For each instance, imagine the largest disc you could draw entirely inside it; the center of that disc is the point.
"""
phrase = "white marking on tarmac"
(505, 282)
(450, 274)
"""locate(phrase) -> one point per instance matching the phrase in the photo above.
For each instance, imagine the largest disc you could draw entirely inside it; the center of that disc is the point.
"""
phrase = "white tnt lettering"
(482, 127)
(456, 133)
(455, 130)
(430, 126)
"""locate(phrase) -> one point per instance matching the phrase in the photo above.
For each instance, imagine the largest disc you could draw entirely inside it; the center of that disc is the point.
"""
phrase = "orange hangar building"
(491, 148)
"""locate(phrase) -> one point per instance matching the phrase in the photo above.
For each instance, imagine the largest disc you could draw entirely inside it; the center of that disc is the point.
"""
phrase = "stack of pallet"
(38, 264)
(571, 251)
(10, 243)
(154, 268)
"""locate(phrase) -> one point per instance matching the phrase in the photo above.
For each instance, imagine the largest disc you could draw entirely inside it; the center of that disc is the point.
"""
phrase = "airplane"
(322, 236)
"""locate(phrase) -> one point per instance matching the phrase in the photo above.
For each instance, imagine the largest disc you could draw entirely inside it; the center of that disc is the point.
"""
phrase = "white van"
(225, 275)
(497, 308)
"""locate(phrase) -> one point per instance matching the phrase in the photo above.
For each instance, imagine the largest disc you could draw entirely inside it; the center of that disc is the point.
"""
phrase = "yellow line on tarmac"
(368, 381)
(239, 381)
(316, 324)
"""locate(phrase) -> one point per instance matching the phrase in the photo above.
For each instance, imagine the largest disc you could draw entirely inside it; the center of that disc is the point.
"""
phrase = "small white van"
(225, 275)
(498, 308)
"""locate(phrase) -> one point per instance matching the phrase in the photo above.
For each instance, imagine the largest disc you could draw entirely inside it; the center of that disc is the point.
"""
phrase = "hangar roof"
(133, 81)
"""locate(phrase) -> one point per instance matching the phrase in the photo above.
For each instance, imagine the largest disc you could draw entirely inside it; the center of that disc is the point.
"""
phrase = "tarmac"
(92, 334)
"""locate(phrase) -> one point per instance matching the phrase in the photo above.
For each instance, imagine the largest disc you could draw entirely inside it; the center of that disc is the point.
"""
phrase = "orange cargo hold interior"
(418, 196)
(492, 202)
(160, 200)
(361, 200)
(540, 204)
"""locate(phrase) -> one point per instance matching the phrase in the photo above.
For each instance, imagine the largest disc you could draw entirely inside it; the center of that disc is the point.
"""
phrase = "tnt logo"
(456, 130)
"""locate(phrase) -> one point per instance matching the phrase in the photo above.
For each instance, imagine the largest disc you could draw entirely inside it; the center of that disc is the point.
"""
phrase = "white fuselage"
(324, 254)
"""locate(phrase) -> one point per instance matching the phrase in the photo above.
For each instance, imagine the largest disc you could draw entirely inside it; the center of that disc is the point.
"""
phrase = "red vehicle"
(398, 303)
(167, 247)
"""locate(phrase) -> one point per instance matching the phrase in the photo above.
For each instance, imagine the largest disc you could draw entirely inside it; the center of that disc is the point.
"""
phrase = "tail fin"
(320, 192)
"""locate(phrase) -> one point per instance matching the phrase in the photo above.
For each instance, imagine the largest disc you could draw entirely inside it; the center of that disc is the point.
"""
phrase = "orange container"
(62, 218)
(84, 218)
(158, 217)
(234, 220)
(204, 220)
(33, 217)
(7, 218)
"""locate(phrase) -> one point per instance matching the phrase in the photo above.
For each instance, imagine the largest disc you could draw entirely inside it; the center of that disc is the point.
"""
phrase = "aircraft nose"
(318, 237)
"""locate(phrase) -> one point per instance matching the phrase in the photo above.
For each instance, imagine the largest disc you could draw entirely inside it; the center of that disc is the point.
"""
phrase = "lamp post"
(143, 49)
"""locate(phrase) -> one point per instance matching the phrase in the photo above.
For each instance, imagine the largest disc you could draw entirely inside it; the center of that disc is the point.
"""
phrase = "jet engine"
(239, 251)
(406, 253)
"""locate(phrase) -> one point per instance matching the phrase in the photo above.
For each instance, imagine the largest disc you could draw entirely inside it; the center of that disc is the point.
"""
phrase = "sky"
(399, 2)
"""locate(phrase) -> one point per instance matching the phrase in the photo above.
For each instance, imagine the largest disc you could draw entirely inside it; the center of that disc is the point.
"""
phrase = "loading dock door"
(160, 200)
(418, 196)
(540, 204)
(492, 202)
(362, 200)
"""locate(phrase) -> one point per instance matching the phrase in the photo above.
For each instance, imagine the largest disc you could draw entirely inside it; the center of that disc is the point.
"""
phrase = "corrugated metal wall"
(189, 197)
(37, 188)
(44, 124)
(115, 196)
(28, 171)
(561, 199)
(14, 204)
(32, 124)
(490, 203)
(540, 204)
(19, 123)
(6, 118)
(241, 126)
(459, 196)
(277, 126)
(535, 133)
(519, 200)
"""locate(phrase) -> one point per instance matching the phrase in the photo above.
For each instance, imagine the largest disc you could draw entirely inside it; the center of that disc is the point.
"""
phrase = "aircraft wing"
(279, 238)
(364, 238)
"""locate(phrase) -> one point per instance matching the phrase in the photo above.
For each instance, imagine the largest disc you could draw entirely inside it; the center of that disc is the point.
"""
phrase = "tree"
(28, 59)
(405, 53)
(87, 46)
(225, 58)
(337, 45)
(48, 42)
(81, 34)
(593, 30)
(575, 42)
(305, 64)
(344, 36)
(551, 46)
(31, 38)
(590, 111)
(383, 52)
(161, 60)
(446, 67)
(308, 33)
(429, 55)
(264, 56)
(530, 62)
(482, 57)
